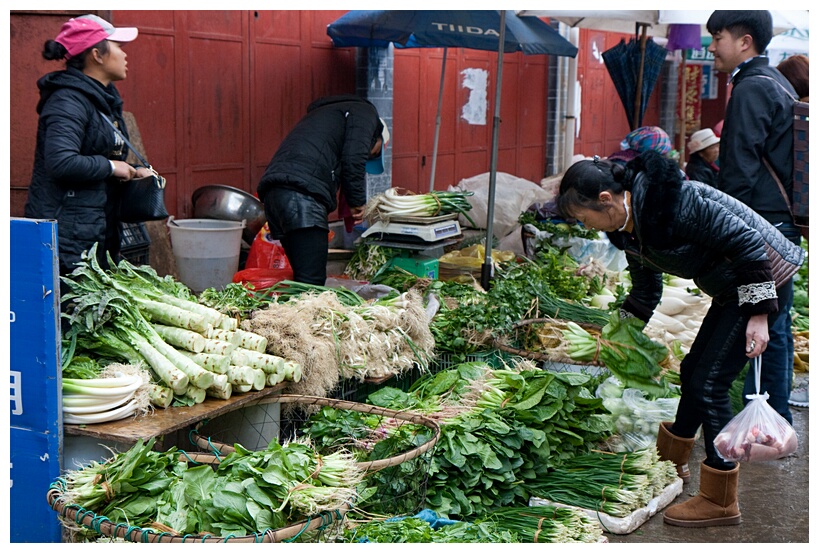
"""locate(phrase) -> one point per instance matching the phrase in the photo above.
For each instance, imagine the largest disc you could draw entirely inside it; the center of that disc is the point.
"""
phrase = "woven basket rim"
(105, 527)
(369, 466)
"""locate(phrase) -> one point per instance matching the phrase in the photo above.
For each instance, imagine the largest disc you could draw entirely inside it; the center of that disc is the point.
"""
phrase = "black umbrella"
(634, 68)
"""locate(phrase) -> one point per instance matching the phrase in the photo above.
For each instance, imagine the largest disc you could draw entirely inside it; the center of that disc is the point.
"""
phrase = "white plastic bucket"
(206, 251)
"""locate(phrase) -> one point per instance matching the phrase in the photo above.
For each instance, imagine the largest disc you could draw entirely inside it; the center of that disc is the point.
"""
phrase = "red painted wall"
(603, 120)
(464, 148)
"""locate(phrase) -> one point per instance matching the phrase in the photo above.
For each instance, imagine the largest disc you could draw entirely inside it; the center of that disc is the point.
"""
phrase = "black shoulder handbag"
(142, 199)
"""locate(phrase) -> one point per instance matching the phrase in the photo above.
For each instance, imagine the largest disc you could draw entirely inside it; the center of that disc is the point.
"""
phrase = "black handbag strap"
(130, 146)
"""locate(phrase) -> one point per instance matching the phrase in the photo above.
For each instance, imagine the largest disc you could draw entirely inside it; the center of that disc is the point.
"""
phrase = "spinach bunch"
(522, 424)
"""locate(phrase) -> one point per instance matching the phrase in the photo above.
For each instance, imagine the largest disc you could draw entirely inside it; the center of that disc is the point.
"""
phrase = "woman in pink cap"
(79, 159)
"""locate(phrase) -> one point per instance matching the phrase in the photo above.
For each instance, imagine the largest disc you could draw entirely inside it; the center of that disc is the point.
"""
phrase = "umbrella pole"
(683, 103)
(486, 268)
(437, 124)
(638, 99)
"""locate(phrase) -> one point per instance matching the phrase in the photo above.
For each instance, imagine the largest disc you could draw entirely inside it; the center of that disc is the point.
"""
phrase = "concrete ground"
(773, 501)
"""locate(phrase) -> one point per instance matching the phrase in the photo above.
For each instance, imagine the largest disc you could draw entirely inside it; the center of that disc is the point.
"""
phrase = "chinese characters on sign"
(689, 107)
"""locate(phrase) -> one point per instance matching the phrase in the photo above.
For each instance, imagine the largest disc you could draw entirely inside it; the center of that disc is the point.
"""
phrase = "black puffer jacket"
(758, 125)
(692, 230)
(71, 181)
(327, 149)
(700, 170)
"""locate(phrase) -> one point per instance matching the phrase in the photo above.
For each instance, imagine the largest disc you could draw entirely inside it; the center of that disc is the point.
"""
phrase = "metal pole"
(437, 125)
(486, 269)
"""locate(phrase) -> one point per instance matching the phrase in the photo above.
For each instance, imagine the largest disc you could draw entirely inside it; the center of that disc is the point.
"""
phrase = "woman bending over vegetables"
(665, 224)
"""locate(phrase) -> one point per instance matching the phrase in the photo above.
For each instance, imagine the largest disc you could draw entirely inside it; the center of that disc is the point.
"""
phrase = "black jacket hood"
(104, 98)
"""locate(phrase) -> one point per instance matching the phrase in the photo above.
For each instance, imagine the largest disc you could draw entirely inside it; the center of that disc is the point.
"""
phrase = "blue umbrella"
(500, 31)
(475, 29)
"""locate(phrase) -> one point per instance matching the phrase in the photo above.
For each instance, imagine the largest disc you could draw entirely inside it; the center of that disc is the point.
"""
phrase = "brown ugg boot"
(716, 504)
(675, 449)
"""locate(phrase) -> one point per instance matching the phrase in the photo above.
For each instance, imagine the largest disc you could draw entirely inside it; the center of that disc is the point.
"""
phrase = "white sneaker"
(799, 395)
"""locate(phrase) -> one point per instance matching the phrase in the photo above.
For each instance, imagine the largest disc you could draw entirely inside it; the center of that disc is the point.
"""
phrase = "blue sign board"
(36, 414)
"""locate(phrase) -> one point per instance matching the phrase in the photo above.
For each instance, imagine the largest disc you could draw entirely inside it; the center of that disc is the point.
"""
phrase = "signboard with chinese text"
(691, 104)
(35, 382)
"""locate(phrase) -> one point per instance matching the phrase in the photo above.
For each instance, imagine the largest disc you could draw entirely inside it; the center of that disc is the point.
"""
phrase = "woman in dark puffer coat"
(79, 160)
(669, 225)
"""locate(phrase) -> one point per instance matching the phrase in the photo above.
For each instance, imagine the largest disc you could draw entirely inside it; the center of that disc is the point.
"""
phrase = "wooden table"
(164, 421)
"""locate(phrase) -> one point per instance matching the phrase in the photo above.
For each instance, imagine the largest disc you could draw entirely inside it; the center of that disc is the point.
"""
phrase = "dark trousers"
(707, 372)
(716, 357)
(307, 250)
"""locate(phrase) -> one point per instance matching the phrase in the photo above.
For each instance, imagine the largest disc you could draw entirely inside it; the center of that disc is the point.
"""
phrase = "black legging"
(306, 250)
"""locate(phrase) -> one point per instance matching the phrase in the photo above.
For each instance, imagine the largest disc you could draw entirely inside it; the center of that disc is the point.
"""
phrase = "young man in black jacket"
(330, 150)
(758, 135)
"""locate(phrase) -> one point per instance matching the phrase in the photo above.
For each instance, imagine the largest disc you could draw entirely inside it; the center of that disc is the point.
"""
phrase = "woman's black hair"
(53, 50)
(585, 180)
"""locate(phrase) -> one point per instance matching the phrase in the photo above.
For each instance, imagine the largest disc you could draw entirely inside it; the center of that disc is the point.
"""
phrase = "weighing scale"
(425, 231)
(424, 237)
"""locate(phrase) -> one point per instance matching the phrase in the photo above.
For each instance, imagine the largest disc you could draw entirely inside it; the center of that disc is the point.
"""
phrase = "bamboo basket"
(161, 534)
(209, 444)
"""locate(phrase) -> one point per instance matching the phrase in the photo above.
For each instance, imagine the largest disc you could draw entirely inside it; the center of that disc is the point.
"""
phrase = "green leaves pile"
(499, 429)
(248, 492)
(529, 289)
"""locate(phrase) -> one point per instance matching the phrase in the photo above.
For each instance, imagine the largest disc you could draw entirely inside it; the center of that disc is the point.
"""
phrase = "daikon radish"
(670, 305)
(668, 323)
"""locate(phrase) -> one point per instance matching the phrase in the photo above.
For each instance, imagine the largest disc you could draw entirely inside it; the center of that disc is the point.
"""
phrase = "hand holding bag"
(758, 432)
(142, 199)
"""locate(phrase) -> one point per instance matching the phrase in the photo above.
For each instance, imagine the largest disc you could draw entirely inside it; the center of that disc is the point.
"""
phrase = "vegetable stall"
(410, 407)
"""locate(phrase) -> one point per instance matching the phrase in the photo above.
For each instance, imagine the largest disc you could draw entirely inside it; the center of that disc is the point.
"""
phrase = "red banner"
(691, 103)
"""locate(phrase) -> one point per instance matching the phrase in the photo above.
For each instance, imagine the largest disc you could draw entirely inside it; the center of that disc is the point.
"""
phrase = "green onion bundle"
(613, 483)
(391, 204)
(547, 524)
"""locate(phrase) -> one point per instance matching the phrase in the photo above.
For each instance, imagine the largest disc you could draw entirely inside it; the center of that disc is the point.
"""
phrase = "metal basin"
(220, 201)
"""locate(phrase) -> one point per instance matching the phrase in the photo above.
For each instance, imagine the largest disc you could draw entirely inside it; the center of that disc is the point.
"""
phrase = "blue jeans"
(777, 361)
(706, 374)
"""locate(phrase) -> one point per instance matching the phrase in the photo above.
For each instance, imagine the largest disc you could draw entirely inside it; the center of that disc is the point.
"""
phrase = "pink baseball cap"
(81, 33)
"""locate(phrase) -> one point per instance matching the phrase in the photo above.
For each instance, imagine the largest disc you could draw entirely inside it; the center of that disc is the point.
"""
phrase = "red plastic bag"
(266, 253)
(757, 433)
(266, 263)
(261, 278)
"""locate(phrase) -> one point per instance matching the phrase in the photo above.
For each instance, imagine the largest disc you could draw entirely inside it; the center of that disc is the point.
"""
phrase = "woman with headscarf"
(642, 140)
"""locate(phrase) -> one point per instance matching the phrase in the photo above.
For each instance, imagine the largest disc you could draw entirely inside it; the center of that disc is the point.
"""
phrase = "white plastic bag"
(758, 432)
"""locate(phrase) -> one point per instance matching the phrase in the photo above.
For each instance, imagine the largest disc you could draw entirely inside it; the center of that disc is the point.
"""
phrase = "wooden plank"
(164, 421)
